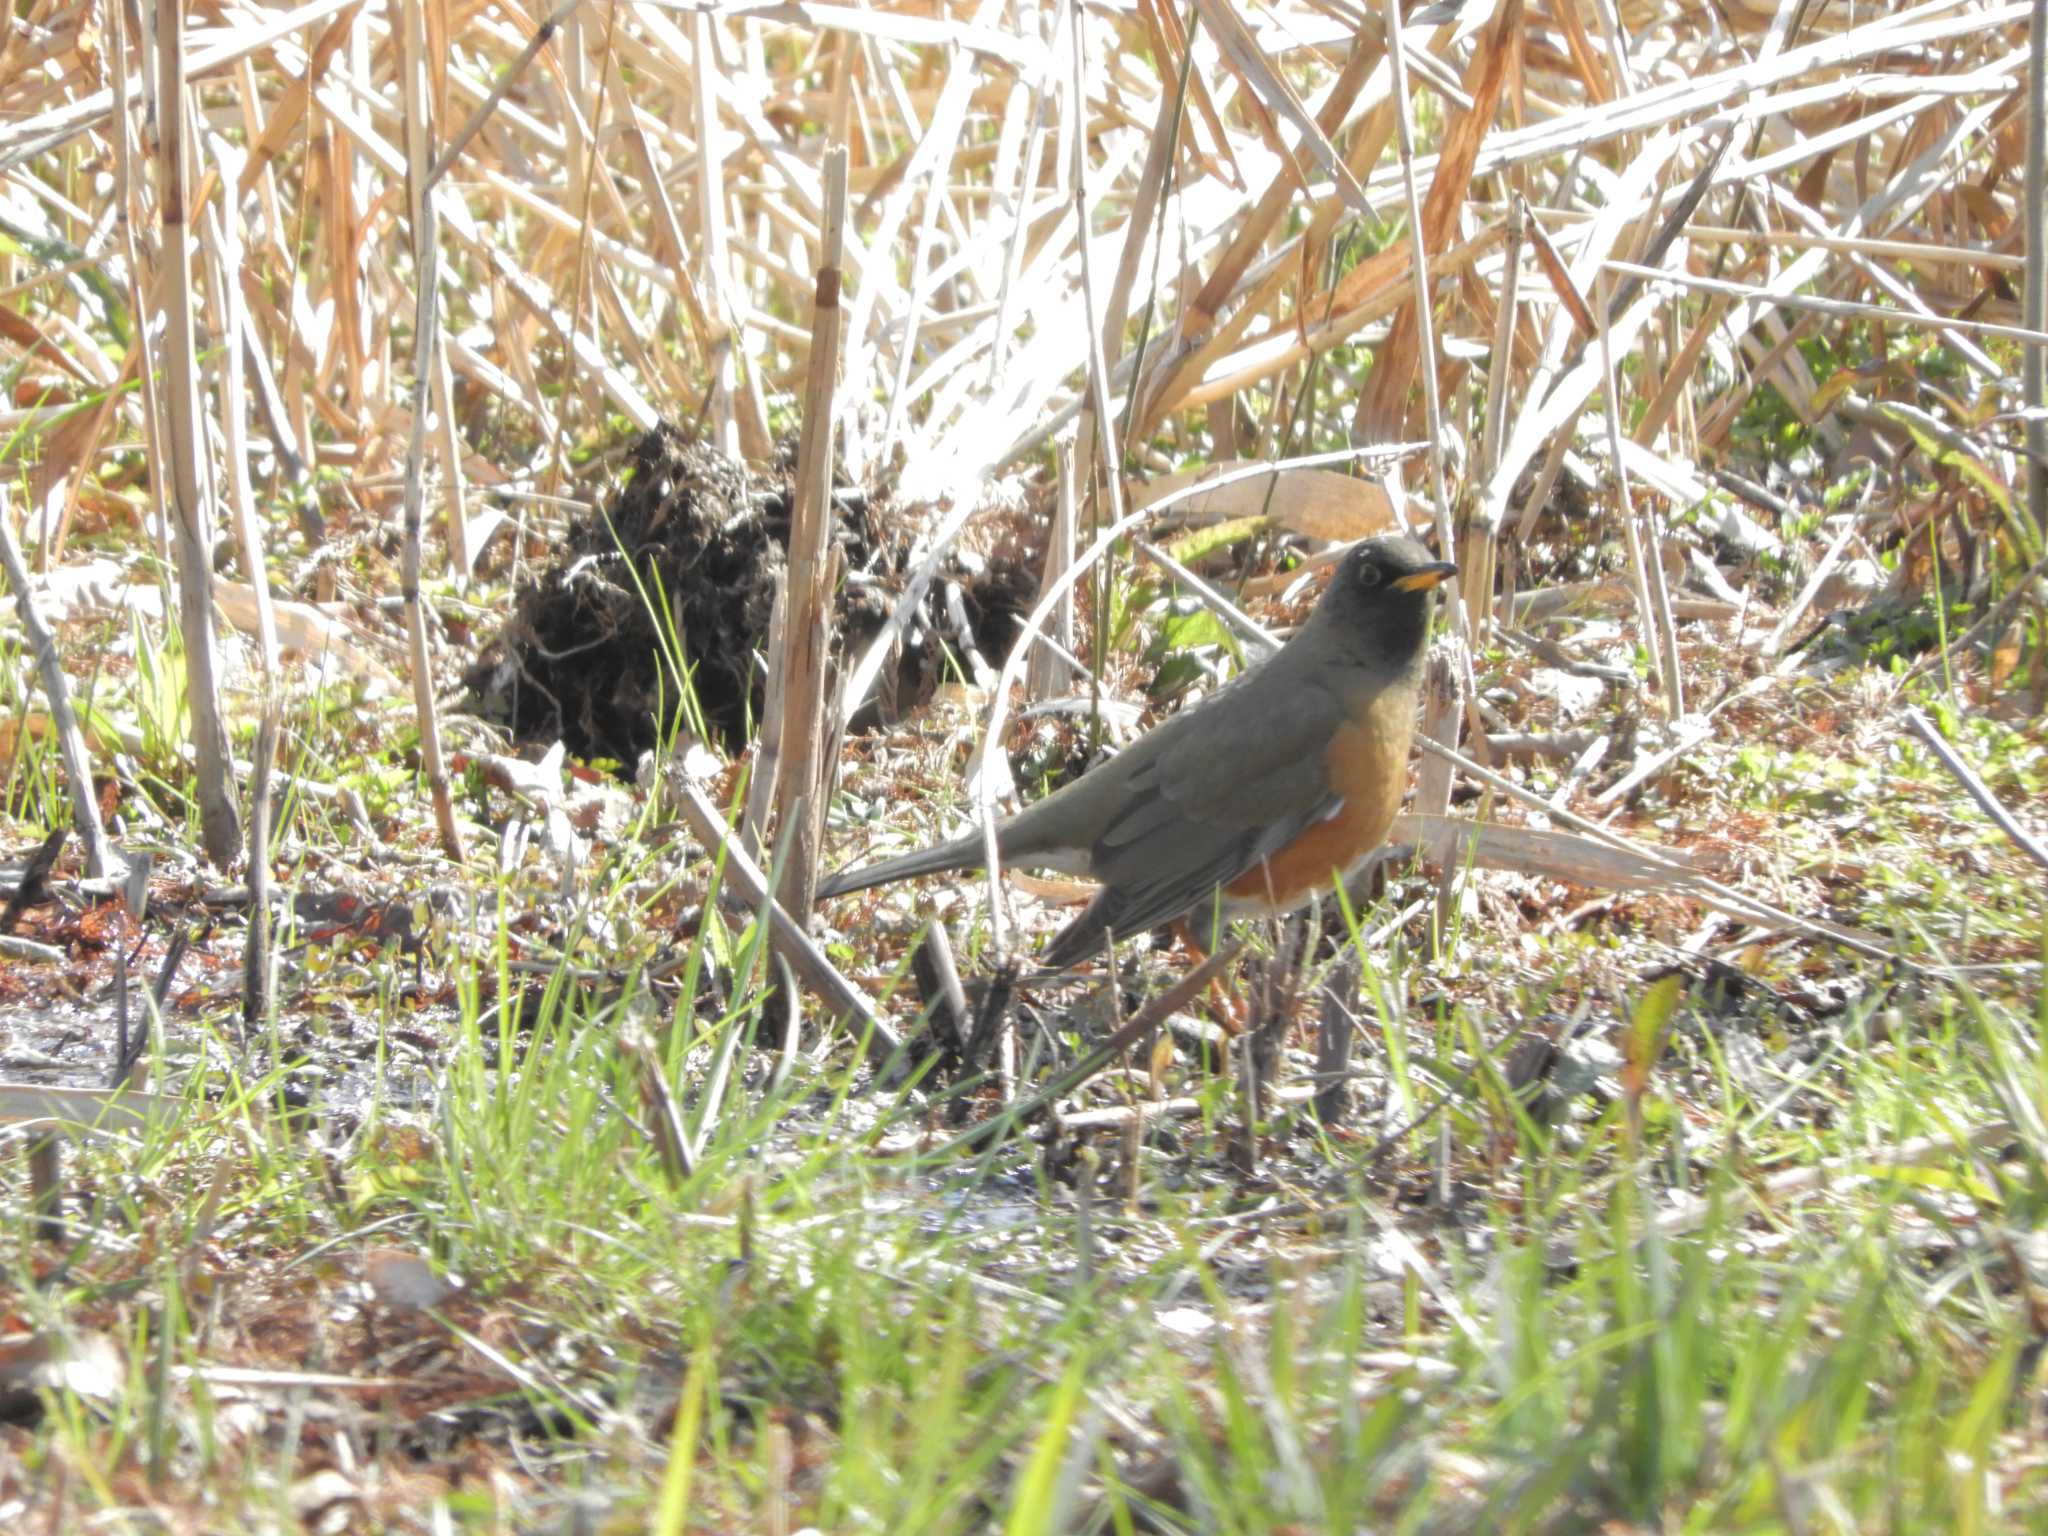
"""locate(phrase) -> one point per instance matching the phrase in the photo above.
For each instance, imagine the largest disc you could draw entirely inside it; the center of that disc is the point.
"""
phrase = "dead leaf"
(1315, 503)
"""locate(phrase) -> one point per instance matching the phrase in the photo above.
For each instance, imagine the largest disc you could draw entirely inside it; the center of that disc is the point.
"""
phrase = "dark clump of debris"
(689, 552)
(684, 554)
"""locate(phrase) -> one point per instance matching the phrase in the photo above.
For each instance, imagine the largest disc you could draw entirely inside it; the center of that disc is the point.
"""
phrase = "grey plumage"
(1214, 791)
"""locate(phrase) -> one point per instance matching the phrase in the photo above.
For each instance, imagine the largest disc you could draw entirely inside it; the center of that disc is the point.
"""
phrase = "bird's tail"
(1081, 937)
(962, 853)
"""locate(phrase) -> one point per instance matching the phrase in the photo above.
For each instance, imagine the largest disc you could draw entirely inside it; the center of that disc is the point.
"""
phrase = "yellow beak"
(1429, 576)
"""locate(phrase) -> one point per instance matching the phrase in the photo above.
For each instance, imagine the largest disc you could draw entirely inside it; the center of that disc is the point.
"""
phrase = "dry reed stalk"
(425, 226)
(259, 960)
(32, 126)
(2034, 297)
(1478, 553)
(1047, 673)
(1679, 374)
(184, 426)
(127, 207)
(1198, 328)
(1278, 348)
(1099, 414)
(1382, 406)
(712, 215)
(1147, 202)
(225, 260)
(1645, 549)
(1443, 716)
(100, 858)
(76, 1111)
(1838, 308)
(1988, 802)
(799, 687)
(766, 771)
(1682, 879)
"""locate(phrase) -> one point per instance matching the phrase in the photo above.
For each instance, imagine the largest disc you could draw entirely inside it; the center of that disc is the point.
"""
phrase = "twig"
(34, 885)
(665, 1116)
(767, 767)
(504, 82)
(810, 963)
(1443, 715)
(792, 1026)
(1217, 603)
(1334, 1033)
(938, 980)
(1980, 792)
(100, 859)
(1646, 555)
(1048, 672)
(1691, 880)
(1478, 553)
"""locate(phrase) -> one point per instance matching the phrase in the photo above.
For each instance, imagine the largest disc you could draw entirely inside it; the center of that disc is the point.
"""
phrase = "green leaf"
(1038, 1487)
(673, 1512)
(1646, 1029)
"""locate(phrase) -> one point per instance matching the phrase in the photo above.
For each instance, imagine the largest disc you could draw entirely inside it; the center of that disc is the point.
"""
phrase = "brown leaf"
(1315, 503)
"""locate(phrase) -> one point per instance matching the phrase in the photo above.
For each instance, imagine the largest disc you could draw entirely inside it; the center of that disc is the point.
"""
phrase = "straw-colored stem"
(800, 794)
(426, 340)
(220, 823)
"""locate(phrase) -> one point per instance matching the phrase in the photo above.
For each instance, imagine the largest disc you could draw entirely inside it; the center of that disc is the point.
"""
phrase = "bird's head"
(1380, 597)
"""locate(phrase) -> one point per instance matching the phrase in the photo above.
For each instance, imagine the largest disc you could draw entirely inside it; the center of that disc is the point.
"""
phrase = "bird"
(1249, 801)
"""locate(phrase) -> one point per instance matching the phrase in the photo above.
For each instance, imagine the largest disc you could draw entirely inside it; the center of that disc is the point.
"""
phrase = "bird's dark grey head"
(1381, 596)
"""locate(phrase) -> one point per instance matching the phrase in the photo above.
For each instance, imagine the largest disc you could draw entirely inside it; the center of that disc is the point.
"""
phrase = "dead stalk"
(807, 633)
(184, 425)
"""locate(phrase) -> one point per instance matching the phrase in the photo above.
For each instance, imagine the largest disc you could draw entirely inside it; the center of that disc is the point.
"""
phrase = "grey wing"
(1196, 821)
(1159, 895)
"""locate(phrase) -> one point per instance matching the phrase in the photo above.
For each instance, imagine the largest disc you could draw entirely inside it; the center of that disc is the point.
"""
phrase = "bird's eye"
(1370, 576)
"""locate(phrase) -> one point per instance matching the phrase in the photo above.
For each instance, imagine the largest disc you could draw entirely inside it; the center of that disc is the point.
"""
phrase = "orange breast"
(1367, 764)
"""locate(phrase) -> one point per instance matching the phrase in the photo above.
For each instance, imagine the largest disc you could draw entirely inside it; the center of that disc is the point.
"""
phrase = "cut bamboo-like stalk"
(799, 796)
(259, 962)
(220, 823)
